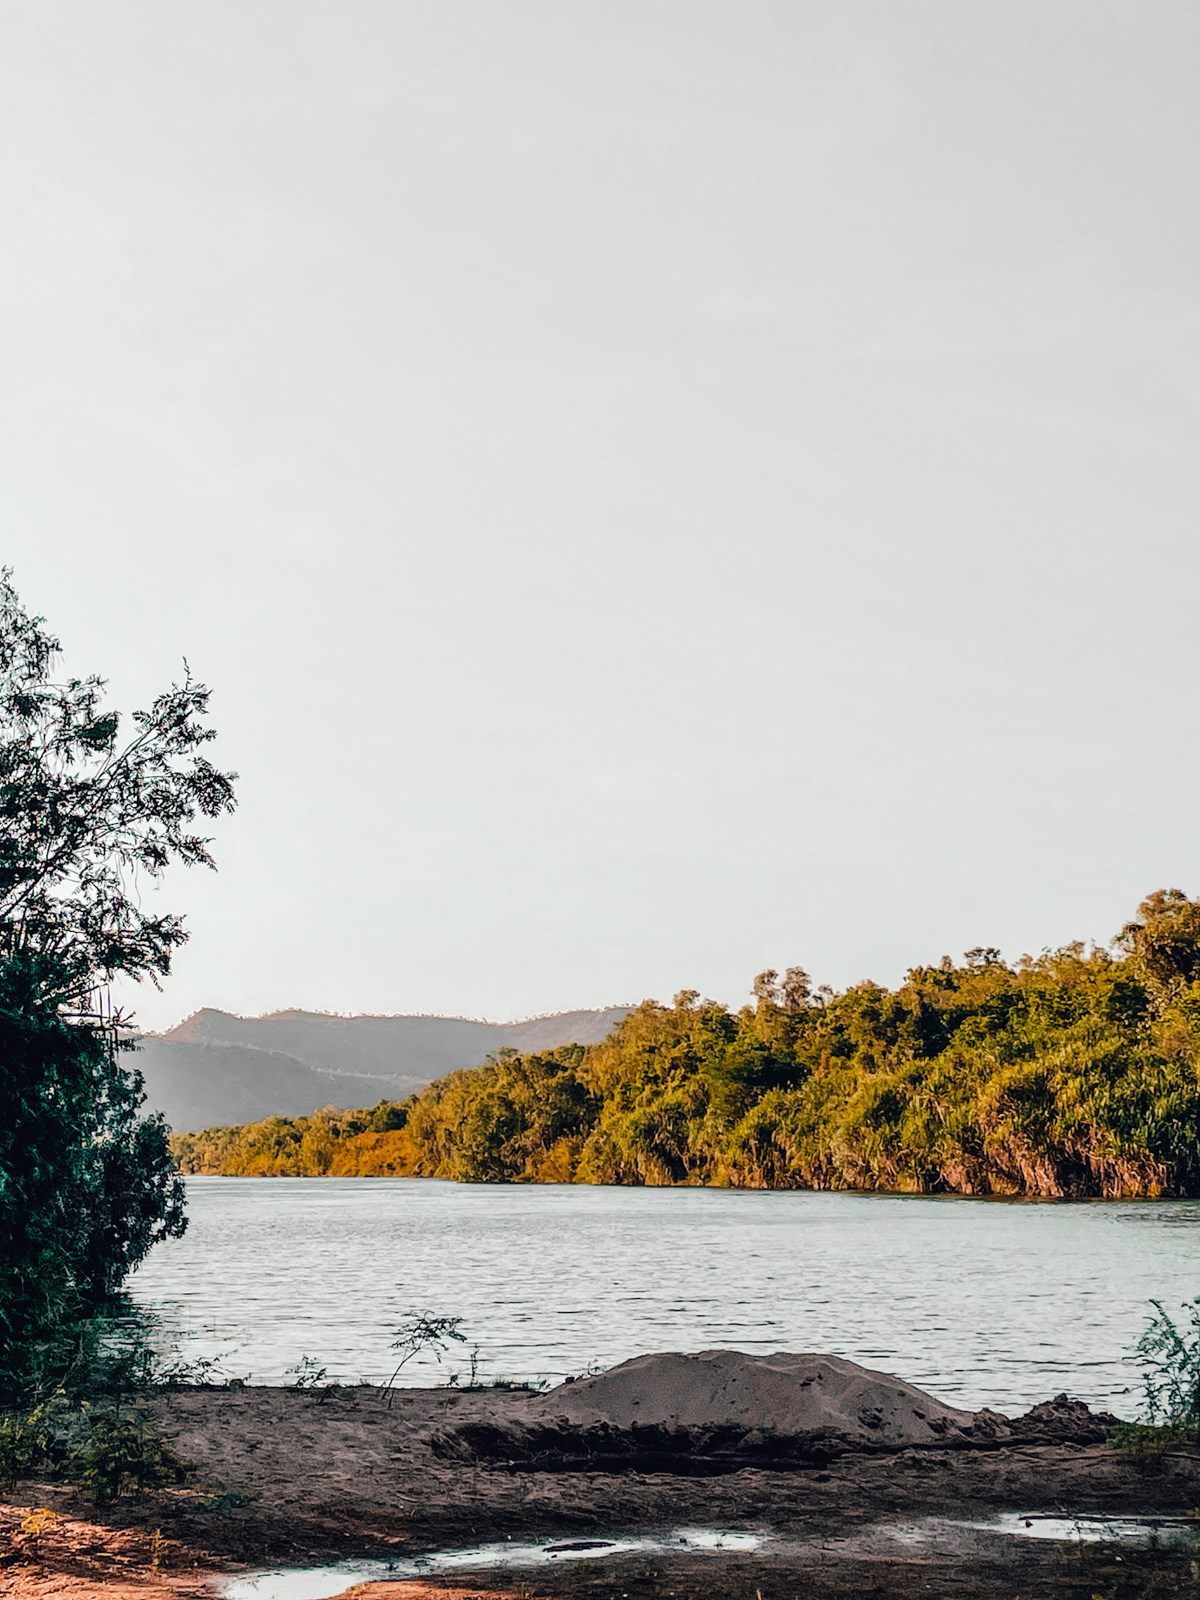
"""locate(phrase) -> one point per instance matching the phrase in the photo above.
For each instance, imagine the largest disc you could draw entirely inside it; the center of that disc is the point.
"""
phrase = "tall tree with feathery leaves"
(86, 1181)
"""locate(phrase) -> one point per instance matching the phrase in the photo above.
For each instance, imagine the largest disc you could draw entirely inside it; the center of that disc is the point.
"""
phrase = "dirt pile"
(781, 1394)
(1062, 1421)
(720, 1410)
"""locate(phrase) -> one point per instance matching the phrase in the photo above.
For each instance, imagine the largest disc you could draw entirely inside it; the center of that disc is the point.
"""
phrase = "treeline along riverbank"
(1071, 1074)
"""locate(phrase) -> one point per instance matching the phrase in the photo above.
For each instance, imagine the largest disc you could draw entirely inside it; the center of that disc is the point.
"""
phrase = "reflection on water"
(982, 1303)
(933, 1534)
(1094, 1530)
(319, 1583)
(1165, 1529)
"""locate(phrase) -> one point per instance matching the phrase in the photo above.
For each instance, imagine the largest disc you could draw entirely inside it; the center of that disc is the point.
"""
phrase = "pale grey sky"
(657, 489)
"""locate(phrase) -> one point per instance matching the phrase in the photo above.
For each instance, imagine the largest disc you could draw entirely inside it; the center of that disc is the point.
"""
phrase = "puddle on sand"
(1167, 1529)
(1115, 1530)
(320, 1583)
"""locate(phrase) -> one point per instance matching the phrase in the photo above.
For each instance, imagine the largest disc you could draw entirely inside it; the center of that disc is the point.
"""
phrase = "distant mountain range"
(215, 1069)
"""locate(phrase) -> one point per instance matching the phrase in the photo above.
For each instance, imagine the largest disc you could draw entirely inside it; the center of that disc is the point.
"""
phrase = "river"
(979, 1302)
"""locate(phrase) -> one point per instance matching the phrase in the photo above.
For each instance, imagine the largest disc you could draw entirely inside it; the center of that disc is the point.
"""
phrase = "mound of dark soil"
(721, 1411)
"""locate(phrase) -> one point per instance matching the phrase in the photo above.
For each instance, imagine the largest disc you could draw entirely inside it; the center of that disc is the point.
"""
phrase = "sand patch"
(720, 1411)
(777, 1394)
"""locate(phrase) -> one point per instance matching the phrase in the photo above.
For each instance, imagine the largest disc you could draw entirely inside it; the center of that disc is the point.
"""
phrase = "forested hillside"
(1074, 1073)
(219, 1068)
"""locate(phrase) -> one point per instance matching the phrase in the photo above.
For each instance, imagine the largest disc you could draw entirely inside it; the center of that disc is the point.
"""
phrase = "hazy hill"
(215, 1069)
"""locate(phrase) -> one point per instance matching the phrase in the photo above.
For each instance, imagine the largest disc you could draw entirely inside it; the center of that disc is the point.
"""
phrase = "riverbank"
(292, 1479)
(1069, 1075)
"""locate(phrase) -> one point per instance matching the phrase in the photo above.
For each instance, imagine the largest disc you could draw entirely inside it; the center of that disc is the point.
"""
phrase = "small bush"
(122, 1455)
(27, 1445)
(1147, 1439)
(423, 1331)
(39, 1521)
(228, 1500)
(1169, 1356)
(200, 1373)
(308, 1373)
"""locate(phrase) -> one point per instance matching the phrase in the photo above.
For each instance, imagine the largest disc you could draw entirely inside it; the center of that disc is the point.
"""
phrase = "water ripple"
(981, 1303)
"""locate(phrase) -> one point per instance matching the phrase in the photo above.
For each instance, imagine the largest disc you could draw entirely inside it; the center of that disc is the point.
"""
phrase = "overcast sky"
(657, 489)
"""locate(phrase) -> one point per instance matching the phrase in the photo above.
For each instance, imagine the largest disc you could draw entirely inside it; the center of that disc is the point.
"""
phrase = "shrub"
(121, 1455)
(1170, 1360)
(27, 1445)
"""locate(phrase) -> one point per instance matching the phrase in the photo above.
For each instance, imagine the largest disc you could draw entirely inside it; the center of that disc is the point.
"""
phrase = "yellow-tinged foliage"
(1072, 1074)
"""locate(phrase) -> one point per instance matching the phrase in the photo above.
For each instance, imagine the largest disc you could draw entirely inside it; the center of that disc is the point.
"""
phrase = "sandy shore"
(295, 1479)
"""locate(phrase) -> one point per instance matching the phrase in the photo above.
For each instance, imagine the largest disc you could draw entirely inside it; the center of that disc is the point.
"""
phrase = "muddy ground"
(284, 1478)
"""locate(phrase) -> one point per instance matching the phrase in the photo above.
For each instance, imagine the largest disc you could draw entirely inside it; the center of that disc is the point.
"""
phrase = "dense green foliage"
(123, 1453)
(100, 1449)
(83, 813)
(1074, 1073)
(86, 1182)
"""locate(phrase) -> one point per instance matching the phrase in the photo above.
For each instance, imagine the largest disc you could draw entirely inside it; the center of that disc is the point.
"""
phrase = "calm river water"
(980, 1302)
